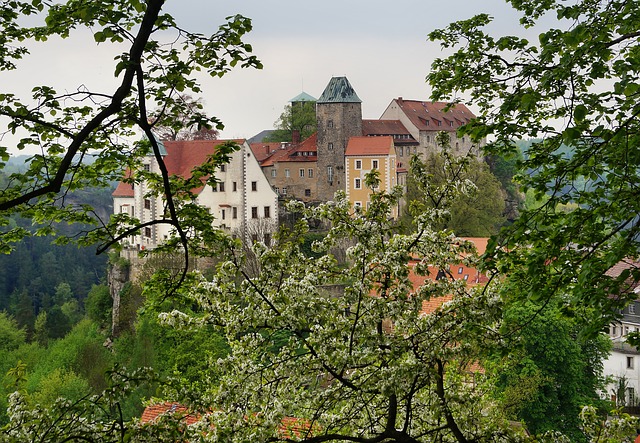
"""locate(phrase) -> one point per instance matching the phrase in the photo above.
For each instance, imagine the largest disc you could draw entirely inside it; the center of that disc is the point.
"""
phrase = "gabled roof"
(339, 90)
(431, 116)
(369, 146)
(124, 190)
(289, 153)
(303, 97)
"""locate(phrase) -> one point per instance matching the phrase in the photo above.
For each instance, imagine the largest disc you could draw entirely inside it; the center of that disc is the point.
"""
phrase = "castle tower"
(339, 117)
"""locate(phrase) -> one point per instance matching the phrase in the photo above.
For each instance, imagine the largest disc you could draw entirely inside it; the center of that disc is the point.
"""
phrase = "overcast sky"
(380, 46)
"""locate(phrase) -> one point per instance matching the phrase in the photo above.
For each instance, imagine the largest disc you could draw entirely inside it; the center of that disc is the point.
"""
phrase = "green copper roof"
(161, 148)
(303, 97)
(339, 90)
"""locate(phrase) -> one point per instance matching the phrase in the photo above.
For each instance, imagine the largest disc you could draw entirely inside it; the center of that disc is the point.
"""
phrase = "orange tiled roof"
(430, 116)
(262, 150)
(369, 146)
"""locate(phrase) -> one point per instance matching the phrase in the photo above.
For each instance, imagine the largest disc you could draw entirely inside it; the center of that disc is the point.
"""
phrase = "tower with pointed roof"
(339, 117)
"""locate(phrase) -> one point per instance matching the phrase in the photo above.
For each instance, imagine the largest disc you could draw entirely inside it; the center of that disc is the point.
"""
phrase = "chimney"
(295, 136)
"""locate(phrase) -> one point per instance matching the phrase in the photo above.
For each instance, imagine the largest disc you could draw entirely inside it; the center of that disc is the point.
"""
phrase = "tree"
(181, 126)
(547, 371)
(157, 68)
(369, 365)
(298, 117)
(577, 85)
(478, 212)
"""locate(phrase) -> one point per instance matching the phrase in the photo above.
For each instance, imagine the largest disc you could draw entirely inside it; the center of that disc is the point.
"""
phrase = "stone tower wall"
(337, 122)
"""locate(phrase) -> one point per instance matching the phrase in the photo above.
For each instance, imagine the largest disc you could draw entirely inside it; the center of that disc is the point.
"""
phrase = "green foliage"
(574, 90)
(11, 336)
(297, 117)
(548, 370)
(98, 305)
(476, 211)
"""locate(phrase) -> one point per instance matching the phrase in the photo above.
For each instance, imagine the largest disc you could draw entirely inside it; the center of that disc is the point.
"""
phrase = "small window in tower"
(330, 173)
(310, 173)
(330, 124)
(301, 172)
(401, 151)
(235, 186)
(330, 146)
(307, 192)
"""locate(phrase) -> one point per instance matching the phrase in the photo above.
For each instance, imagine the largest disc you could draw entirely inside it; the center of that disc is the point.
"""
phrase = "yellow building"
(364, 154)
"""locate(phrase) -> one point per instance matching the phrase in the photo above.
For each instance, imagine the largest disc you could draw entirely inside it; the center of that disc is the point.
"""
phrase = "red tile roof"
(262, 150)
(289, 153)
(430, 116)
(124, 189)
(184, 155)
(369, 146)
(291, 426)
(383, 127)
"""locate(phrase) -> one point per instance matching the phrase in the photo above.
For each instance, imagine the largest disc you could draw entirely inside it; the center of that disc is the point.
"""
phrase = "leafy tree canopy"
(577, 84)
(299, 117)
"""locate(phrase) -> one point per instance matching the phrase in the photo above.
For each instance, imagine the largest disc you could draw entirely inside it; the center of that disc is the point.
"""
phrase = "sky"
(380, 46)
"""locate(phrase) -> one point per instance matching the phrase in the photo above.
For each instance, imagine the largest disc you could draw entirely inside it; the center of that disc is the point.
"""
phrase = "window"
(457, 146)
(273, 173)
(631, 396)
(632, 308)
(415, 150)
(234, 212)
(439, 123)
(358, 164)
(254, 237)
(147, 203)
(374, 164)
(357, 183)
(284, 191)
(330, 124)
(428, 139)
(223, 168)
(223, 214)
(254, 212)
(287, 173)
(221, 186)
(330, 146)
(147, 232)
(254, 186)
(267, 239)
(357, 205)
(460, 269)
(310, 173)
(330, 173)
(267, 212)
(301, 172)
(613, 330)
(307, 192)
(235, 186)
(277, 190)
(629, 362)
(214, 187)
(626, 330)
(466, 277)
(147, 167)
(400, 151)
